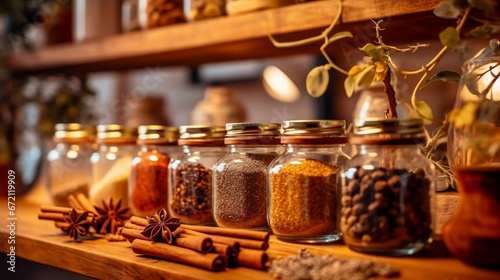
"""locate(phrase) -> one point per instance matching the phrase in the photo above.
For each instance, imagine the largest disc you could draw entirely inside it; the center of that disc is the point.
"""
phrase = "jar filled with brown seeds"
(387, 192)
(240, 193)
(190, 173)
(302, 182)
(204, 9)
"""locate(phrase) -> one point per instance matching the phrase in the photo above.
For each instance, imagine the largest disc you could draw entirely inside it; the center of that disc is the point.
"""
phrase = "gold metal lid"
(313, 127)
(372, 126)
(158, 133)
(379, 131)
(201, 131)
(111, 132)
(70, 131)
(252, 129)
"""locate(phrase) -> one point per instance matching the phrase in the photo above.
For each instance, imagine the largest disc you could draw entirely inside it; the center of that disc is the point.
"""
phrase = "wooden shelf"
(236, 37)
(41, 242)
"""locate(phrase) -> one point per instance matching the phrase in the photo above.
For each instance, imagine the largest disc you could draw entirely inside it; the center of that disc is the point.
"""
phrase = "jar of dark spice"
(111, 163)
(190, 173)
(148, 184)
(240, 177)
(204, 9)
(387, 191)
(69, 169)
(303, 181)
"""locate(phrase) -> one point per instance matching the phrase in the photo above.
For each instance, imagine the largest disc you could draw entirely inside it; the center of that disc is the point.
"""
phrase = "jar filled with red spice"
(148, 178)
(190, 173)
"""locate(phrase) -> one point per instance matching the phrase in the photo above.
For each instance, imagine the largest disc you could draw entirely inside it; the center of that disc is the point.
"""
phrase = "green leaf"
(424, 110)
(340, 35)
(449, 37)
(483, 31)
(349, 85)
(446, 10)
(445, 76)
(487, 6)
(375, 52)
(366, 77)
(317, 81)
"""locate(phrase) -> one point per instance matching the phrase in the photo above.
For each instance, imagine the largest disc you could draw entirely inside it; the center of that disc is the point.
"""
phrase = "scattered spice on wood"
(306, 265)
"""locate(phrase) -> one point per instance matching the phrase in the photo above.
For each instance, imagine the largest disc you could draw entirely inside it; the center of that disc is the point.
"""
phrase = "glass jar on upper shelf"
(148, 183)
(204, 9)
(190, 173)
(144, 14)
(387, 191)
(69, 163)
(111, 163)
(302, 182)
(240, 177)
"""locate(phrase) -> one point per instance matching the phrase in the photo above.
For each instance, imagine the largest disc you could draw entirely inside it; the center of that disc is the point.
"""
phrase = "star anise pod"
(160, 227)
(77, 224)
(111, 216)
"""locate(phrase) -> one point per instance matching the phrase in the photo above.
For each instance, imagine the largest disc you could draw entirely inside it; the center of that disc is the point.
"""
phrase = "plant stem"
(391, 95)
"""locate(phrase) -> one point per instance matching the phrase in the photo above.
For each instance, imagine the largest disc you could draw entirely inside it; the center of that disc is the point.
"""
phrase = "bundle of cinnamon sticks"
(56, 213)
(210, 248)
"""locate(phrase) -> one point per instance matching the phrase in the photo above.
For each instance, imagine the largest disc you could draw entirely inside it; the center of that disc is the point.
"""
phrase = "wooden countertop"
(41, 242)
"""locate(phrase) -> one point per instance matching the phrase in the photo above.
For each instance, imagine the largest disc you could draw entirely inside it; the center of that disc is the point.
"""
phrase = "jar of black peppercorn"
(240, 193)
(148, 183)
(302, 186)
(190, 173)
(387, 192)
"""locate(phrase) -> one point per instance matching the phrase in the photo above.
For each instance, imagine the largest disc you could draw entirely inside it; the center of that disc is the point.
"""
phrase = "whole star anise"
(110, 216)
(77, 224)
(160, 227)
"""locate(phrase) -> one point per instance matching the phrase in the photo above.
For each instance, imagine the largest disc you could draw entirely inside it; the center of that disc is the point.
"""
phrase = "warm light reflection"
(279, 85)
(72, 154)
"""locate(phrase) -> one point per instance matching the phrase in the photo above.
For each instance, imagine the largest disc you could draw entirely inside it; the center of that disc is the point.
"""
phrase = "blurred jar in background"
(69, 163)
(146, 111)
(218, 108)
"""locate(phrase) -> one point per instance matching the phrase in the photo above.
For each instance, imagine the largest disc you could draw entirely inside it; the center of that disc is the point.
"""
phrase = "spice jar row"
(293, 179)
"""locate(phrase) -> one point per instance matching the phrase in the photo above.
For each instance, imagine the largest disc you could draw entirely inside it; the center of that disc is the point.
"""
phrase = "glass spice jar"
(240, 177)
(204, 9)
(111, 163)
(387, 191)
(163, 12)
(148, 183)
(69, 166)
(302, 186)
(190, 173)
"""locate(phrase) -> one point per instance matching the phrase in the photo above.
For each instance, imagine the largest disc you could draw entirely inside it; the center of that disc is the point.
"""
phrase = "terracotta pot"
(473, 234)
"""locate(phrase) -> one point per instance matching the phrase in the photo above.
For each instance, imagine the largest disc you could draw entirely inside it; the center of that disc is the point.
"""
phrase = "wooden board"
(235, 38)
(41, 242)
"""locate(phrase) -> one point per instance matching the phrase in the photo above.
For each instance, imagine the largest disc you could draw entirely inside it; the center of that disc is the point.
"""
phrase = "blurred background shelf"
(235, 37)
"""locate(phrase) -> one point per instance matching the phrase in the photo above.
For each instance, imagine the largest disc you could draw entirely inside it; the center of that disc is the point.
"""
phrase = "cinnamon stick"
(133, 226)
(139, 221)
(58, 217)
(133, 234)
(208, 261)
(237, 233)
(224, 250)
(215, 238)
(197, 243)
(74, 202)
(60, 210)
(245, 243)
(252, 258)
(85, 203)
(61, 224)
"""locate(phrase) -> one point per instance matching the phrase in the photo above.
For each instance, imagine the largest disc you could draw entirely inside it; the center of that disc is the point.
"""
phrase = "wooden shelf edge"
(220, 39)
